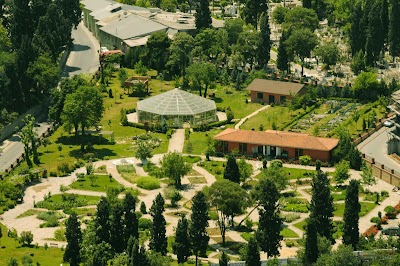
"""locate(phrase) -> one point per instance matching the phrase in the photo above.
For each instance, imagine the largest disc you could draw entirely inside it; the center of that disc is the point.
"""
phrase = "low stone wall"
(382, 172)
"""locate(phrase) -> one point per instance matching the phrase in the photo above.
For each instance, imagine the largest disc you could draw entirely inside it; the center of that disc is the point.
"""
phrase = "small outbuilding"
(272, 91)
(176, 108)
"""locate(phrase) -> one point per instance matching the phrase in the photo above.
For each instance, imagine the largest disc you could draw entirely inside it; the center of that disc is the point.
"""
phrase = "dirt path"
(177, 140)
(237, 126)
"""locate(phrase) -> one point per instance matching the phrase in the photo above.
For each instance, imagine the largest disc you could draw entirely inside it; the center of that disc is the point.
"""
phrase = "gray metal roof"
(176, 102)
(132, 26)
(93, 5)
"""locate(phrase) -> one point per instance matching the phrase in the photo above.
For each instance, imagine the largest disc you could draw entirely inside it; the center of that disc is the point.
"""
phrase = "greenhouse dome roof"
(176, 102)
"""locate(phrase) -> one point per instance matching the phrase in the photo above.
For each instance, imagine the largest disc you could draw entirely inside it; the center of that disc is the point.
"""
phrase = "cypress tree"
(232, 172)
(265, 41)
(351, 215)
(203, 15)
(375, 39)
(158, 239)
(253, 253)
(282, 61)
(138, 256)
(385, 19)
(199, 222)
(130, 218)
(223, 261)
(181, 247)
(307, 3)
(311, 246)
(102, 221)
(116, 228)
(270, 222)
(394, 29)
(321, 206)
(252, 11)
(357, 30)
(74, 238)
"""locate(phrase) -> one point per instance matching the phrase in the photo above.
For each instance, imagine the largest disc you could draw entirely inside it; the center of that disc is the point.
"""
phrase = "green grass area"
(288, 233)
(338, 196)
(236, 101)
(67, 201)
(246, 235)
(301, 225)
(366, 207)
(99, 183)
(84, 211)
(294, 173)
(215, 168)
(200, 140)
(295, 205)
(271, 117)
(148, 182)
(11, 248)
(191, 159)
(128, 172)
(29, 213)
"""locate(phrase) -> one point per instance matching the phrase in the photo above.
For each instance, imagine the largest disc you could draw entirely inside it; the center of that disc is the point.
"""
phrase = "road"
(84, 57)
(375, 146)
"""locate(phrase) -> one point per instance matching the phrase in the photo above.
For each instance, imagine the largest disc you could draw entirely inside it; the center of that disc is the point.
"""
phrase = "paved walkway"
(237, 126)
(177, 140)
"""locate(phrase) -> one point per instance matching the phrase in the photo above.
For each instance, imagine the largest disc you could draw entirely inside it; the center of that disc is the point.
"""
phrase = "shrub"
(128, 168)
(177, 196)
(64, 168)
(375, 220)
(290, 243)
(59, 235)
(148, 182)
(26, 238)
(143, 208)
(384, 193)
(145, 224)
(390, 212)
(290, 217)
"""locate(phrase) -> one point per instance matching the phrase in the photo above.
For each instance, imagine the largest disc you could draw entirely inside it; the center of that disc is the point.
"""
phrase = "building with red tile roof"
(276, 144)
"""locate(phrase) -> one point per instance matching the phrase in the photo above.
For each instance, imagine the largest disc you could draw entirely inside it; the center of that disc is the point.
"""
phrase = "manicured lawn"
(236, 101)
(366, 207)
(287, 233)
(277, 115)
(200, 140)
(197, 180)
(216, 168)
(192, 159)
(100, 183)
(301, 225)
(29, 213)
(13, 249)
(294, 173)
(128, 172)
(67, 201)
(246, 235)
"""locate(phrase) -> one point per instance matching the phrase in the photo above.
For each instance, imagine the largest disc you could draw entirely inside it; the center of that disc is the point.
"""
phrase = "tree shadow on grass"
(97, 153)
(76, 140)
(218, 100)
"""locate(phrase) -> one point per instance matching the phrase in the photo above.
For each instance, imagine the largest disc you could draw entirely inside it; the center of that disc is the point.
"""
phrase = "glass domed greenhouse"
(175, 108)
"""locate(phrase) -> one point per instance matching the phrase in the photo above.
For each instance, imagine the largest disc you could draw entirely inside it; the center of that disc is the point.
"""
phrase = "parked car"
(391, 231)
(388, 123)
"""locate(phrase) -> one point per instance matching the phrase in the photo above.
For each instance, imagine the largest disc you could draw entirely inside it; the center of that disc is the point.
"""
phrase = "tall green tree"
(44, 73)
(253, 253)
(270, 222)
(253, 10)
(224, 259)
(329, 53)
(385, 19)
(311, 245)
(357, 29)
(301, 42)
(71, 10)
(374, 34)
(321, 206)
(247, 46)
(232, 172)
(341, 173)
(202, 75)
(234, 27)
(180, 50)
(352, 209)
(181, 246)
(174, 167)
(21, 23)
(158, 50)
(138, 256)
(130, 219)
(102, 221)
(307, 3)
(83, 108)
(203, 15)
(394, 29)
(29, 139)
(116, 228)
(74, 238)
(158, 239)
(224, 195)
(198, 225)
(282, 61)
(301, 18)
(265, 41)
(367, 177)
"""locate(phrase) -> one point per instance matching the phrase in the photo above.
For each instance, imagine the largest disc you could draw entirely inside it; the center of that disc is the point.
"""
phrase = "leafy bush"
(64, 168)
(384, 193)
(144, 224)
(390, 212)
(26, 238)
(148, 182)
(128, 168)
(375, 220)
(59, 235)
(176, 197)
(290, 217)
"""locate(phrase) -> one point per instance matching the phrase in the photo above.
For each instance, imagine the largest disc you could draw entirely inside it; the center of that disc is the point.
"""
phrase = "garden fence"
(383, 172)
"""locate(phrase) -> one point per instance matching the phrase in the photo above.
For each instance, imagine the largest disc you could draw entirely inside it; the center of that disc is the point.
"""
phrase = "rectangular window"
(298, 153)
(260, 95)
(243, 148)
(283, 99)
(225, 147)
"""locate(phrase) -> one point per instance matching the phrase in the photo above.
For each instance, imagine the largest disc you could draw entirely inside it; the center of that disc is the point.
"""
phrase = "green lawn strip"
(191, 159)
(84, 211)
(236, 101)
(301, 225)
(100, 184)
(29, 213)
(13, 249)
(288, 233)
(247, 235)
(215, 168)
(148, 182)
(366, 207)
(338, 196)
(200, 141)
(294, 173)
(57, 202)
(295, 205)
